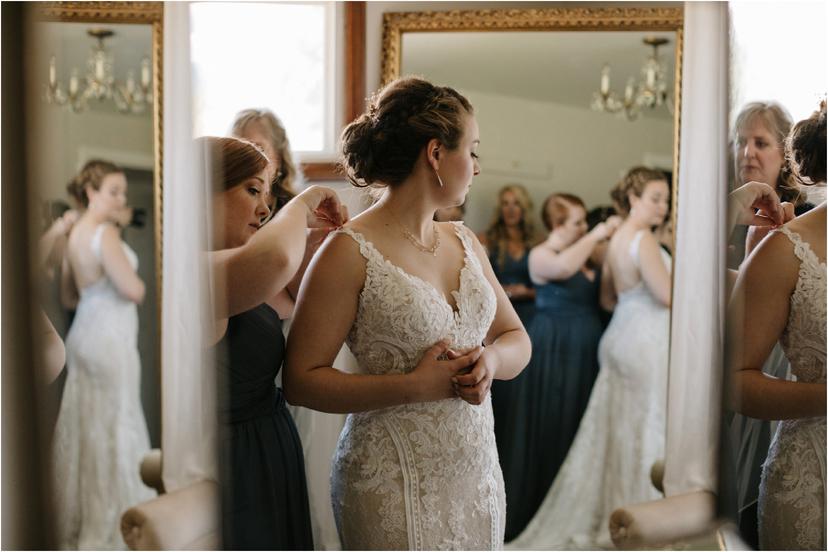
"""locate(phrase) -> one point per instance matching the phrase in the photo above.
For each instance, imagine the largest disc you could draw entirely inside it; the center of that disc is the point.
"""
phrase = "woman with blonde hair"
(508, 239)
(780, 297)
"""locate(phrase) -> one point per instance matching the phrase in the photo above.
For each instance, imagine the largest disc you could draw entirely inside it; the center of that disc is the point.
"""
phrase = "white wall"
(555, 148)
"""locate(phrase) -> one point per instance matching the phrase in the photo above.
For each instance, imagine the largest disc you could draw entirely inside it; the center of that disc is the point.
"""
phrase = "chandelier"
(129, 96)
(650, 92)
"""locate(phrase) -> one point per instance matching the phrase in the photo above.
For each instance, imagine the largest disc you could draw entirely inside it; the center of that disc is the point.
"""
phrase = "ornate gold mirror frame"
(149, 13)
(544, 19)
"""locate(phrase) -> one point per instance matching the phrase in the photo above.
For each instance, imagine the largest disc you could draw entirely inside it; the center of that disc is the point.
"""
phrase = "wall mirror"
(93, 80)
(554, 91)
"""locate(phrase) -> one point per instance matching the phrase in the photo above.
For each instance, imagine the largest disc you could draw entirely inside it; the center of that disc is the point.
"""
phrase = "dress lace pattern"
(100, 435)
(792, 491)
(621, 433)
(422, 476)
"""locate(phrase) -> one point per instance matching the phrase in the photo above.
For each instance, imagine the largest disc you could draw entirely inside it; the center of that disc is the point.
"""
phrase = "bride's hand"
(474, 386)
(434, 374)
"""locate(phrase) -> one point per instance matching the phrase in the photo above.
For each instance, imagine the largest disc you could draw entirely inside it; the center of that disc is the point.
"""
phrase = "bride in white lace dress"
(781, 295)
(100, 435)
(416, 466)
(622, 431)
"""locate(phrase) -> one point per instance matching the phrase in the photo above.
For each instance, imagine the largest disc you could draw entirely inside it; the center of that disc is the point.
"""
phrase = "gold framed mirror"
(542, 83)
(411, 39)
(94, 129)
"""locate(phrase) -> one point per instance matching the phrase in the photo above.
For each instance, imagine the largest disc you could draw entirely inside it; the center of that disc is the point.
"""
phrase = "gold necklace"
(413, 239)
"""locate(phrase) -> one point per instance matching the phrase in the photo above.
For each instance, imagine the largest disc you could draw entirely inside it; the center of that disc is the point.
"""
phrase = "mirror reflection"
(91, 138)
(774, 424)
(573, 204)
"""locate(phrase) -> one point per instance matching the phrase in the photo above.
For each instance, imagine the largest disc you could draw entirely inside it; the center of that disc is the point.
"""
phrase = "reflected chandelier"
(650, 92)
(99, 83)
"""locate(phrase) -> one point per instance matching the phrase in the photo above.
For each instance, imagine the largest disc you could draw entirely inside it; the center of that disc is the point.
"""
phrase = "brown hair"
(777, 121)
(282, 185)
(496, 233)
(805, 148)
(633, 182)
(381, 146)
(92, 174)
(230, 161)
(559, 205)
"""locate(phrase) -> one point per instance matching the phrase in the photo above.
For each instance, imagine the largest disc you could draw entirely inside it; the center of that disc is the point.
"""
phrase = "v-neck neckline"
(456, 294)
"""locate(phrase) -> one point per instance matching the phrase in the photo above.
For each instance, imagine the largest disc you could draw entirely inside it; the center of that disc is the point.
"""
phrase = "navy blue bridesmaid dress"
(264, 491)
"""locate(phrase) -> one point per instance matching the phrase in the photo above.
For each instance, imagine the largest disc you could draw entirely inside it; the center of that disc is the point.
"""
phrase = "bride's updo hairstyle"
(805, 148)
(90, 176)
(634, 183)
(381, 147)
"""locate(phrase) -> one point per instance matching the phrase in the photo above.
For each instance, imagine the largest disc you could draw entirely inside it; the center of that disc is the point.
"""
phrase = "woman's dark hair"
(381, 146)
(555, 209)
(92, 174)
(805, 148)
(633, 182)
(230, 161)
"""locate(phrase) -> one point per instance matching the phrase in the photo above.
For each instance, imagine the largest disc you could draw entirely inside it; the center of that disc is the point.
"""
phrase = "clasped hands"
(444, 373)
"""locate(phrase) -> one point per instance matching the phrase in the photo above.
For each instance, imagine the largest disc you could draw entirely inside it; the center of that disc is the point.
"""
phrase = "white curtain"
(697, 333)
(189, 423)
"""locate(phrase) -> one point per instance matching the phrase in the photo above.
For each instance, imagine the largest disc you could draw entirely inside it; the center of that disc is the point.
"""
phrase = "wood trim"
(354, 77)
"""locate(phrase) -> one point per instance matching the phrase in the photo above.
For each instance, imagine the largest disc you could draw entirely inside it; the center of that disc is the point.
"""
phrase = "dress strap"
(463, 233)
(97, 238)
(366, 248)
(635, 246)
(802, 249)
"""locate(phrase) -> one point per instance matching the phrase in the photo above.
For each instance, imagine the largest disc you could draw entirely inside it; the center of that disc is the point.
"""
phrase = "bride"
(416, 465)
(100, 435)
(622, 431)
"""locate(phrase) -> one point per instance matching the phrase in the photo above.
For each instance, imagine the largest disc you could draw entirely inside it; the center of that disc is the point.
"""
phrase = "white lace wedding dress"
(621, 434)
(100, 435)
(422, 476)
(792, 491)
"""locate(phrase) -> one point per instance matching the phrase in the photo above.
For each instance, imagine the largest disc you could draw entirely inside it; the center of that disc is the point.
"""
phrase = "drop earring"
(439, 180)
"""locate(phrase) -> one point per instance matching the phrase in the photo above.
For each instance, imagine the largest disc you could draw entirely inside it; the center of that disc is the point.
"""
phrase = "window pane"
(262, 55)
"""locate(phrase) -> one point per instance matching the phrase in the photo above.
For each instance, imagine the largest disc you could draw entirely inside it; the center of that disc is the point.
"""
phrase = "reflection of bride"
(101, 435)
(622, 431)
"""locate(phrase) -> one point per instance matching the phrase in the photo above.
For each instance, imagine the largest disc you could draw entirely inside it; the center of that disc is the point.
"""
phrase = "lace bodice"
(792, 489)
(400, 316)
(804, 335)
(423, 475)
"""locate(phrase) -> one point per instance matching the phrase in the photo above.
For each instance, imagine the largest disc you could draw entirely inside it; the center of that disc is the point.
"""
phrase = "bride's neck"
(408, 206)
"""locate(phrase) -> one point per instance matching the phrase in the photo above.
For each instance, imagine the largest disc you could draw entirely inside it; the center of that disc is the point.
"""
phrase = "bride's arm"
(325, 311)
(757, 315)
(508, 348)
(653, 272)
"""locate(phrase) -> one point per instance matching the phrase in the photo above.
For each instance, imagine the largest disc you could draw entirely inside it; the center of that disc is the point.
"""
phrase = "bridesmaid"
(509, 238)
(555, 387)
(264, 492)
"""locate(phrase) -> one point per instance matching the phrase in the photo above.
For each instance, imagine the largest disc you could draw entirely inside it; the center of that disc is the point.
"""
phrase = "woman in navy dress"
(552, 392)
(264, 491)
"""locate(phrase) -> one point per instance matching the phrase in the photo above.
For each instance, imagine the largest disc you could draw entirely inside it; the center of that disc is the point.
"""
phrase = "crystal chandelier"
(650, 92)
(129, 96)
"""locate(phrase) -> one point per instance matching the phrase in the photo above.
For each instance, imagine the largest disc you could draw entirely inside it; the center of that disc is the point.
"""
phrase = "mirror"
(768, 449)
(100, 268)
(533, 77)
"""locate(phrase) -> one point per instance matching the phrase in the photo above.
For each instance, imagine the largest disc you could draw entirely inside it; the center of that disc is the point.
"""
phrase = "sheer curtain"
(697, 333)
(189, 424)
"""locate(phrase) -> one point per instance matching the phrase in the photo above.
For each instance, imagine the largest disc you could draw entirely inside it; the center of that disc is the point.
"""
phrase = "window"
(279, 56)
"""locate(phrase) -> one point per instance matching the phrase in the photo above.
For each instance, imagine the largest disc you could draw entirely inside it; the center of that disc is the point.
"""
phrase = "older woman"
(264, 493)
